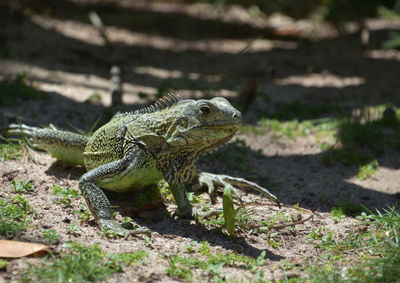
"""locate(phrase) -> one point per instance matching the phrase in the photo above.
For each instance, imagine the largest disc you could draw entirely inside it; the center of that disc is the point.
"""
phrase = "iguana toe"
(195, 213)
(205, 214)
(114, 227)
(209, 179)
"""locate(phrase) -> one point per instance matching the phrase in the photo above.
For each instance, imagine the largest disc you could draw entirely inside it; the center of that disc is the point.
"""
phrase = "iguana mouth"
(227, 125)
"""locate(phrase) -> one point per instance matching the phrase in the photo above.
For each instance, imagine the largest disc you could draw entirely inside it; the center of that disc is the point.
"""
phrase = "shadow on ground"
(317, 187)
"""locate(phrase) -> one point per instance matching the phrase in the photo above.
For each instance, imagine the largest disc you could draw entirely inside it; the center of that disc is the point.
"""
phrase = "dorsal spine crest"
(167, 101)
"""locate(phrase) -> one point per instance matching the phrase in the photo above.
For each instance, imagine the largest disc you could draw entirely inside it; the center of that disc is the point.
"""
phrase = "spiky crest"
(167, 101)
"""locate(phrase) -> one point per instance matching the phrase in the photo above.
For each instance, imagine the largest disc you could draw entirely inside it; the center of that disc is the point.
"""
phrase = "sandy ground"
(199, 52)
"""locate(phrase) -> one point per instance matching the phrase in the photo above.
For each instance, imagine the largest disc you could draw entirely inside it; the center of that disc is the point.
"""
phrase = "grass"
(369, 253)
(17, 88)
(11, 151)
(243, 220)
(50, 237)
(94, 98)
(372, 133)
(22, 187)
(337, 213)
(362, 143)
(393, 41)
(253, 129)
(14, 215)
(110, 234)
(375, 251)
(354, 134)
(350, 208)
(211, 264)
(72, 229)
(65, 195)
(389, 14)
(79, 263)
(358, 139)
(3, 265)
(291, 129)
(367, 170)
(83, 213)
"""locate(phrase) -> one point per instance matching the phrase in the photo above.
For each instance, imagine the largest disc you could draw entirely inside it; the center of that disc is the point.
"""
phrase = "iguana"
(137, 149)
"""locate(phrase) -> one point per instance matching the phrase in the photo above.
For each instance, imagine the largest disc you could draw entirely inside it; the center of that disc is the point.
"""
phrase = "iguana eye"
(205, 110)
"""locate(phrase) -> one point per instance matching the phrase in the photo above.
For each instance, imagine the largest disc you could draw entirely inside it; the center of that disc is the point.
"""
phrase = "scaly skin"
(141, 148)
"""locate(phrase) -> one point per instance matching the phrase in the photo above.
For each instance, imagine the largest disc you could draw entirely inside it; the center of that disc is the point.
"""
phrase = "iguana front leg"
(185, 209)
(209, 179)
(97, 200)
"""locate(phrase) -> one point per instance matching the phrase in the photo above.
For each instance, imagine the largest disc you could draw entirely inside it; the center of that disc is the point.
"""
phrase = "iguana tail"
(65, 146)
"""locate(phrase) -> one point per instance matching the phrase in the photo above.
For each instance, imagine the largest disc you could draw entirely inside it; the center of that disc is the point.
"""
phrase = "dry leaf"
(16, 249)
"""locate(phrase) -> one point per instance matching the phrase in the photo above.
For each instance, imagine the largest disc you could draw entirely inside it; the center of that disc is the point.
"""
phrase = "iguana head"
(172, 124)
(203, 124)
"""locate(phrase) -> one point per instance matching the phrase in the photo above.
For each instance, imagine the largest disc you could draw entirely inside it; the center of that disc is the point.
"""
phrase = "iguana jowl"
(140, 148)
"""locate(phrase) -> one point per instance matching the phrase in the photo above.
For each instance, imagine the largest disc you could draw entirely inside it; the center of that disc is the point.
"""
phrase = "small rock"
(238, 248)
(362, 229)
(290, 275)
(296, 216)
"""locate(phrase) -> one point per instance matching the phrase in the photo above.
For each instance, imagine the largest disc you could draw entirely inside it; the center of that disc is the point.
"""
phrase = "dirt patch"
(169, 235)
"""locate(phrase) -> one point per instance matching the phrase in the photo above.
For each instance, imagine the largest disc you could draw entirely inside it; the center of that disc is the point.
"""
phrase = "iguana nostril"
(236, 115)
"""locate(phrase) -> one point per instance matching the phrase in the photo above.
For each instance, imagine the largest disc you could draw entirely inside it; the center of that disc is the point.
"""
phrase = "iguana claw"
(209, 179)
(197, 213)
(213, 212)
(18, 130)
(114, 226)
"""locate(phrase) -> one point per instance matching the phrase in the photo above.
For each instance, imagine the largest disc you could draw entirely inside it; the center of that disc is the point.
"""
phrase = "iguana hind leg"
(209, 179)
(65, 146)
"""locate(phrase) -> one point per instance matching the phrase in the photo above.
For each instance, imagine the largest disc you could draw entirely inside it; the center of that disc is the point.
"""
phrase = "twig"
(277, 227)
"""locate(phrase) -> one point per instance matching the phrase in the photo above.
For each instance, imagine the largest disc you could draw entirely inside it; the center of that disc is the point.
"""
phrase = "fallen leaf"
(16, 249)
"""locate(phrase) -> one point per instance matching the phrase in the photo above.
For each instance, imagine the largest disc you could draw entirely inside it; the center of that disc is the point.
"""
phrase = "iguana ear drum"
(183, 122)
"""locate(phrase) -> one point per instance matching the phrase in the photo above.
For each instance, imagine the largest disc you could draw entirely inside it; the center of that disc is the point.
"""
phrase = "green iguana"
(141, 148)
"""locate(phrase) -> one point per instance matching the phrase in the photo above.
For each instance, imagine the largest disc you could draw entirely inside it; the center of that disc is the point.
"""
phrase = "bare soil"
(196, 50)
